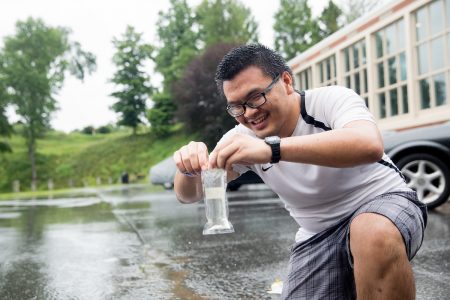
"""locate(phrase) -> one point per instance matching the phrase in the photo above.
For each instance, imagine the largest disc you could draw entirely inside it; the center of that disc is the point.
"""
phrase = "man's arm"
(359, 142)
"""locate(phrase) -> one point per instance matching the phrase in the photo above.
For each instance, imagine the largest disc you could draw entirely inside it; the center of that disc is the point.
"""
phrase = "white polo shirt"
(316, 196)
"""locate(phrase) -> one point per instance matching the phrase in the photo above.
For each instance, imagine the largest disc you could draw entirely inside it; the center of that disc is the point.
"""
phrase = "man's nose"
(249, 112)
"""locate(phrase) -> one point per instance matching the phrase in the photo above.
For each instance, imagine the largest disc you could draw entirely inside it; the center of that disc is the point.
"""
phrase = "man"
(322, 153)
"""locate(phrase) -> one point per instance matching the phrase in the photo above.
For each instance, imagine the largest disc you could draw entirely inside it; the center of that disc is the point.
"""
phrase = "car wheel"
(428, 176)
(168, 185)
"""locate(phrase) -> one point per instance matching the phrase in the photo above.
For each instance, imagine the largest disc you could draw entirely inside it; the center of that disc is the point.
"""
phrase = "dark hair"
(242, 57)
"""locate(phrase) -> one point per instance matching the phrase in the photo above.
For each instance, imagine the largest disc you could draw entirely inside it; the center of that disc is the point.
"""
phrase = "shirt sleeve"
(342, 106)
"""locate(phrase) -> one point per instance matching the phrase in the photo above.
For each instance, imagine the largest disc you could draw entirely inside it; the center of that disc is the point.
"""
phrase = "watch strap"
(276, 153)
(274, 143)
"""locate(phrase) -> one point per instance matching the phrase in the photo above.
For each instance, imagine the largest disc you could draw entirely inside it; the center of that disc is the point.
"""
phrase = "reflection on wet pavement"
(131, 244)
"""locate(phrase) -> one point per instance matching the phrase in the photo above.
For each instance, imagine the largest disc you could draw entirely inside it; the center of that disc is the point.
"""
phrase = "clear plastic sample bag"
(214, 183)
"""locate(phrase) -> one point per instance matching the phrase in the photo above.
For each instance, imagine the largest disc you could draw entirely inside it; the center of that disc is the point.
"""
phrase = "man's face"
(273, 117)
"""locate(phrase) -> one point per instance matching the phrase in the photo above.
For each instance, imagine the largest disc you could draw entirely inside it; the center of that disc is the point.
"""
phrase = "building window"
(355, 69)
(327, 71)
(305, 79)
(432, 47)
(391, 70)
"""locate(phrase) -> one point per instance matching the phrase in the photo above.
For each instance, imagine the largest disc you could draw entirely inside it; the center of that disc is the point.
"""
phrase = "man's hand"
(239, 149)
(192, 158)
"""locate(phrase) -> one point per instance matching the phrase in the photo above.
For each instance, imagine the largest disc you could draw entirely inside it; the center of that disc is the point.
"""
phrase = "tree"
(104, 129)
(33, 66)
(329, 20)
(295, 30)
(353, 9)
(225, 21)
(178, 42)
(183, 34)
(200, 106)
(5, 127)
(178, 47)
(90, 130)
(161, 114)
(134, 84)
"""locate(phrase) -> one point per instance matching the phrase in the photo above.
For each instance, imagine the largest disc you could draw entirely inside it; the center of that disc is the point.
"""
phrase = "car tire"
(428, 175)
(168, 185)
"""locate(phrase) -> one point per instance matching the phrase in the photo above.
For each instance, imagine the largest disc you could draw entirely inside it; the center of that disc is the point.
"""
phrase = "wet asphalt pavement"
(127, 243)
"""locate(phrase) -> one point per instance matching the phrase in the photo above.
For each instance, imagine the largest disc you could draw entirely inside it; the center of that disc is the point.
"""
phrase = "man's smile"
(259, 122)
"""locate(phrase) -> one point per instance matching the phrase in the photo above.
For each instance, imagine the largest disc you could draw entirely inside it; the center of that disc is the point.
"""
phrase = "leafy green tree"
(33, 65)
(200, 106)
(225, 21)
(178, 42)
(295, 29)
(132, 81)
(90, 130)
(183, 33)
(104, 129)
(353, 9)
(178, 47)
(161, 115)
(5, 127)
(329, 20)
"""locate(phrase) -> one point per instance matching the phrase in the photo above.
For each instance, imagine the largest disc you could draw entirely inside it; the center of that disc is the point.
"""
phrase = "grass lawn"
(77, 159)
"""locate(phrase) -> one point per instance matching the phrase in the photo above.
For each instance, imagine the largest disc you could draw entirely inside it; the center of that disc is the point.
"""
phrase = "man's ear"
(288, 82)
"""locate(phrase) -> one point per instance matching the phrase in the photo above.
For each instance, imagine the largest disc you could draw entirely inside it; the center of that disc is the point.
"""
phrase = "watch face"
(272, 139)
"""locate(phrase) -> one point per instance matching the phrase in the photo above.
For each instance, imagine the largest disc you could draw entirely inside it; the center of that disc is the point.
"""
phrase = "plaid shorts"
(322, 266)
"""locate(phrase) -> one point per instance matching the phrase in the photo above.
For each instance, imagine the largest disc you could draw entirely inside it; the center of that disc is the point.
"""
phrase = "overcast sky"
(94, 23)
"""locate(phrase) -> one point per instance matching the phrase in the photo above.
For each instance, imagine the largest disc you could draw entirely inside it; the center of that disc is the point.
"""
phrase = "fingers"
(191, 158)
(213, 159)
(213, 155)
(203, 158)
(239, 149)
(227, 155)
(178, 159)
(224, 155)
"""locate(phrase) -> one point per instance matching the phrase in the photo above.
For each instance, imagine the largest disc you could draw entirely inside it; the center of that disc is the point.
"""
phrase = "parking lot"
(132, 244)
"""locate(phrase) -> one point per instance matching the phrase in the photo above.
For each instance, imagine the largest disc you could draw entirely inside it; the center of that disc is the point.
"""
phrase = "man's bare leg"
(381, 266)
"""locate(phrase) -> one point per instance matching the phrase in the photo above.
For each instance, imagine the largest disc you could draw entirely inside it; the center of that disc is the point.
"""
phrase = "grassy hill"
(76, 159)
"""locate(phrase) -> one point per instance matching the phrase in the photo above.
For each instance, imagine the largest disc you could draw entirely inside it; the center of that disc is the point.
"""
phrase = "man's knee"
(374, 239)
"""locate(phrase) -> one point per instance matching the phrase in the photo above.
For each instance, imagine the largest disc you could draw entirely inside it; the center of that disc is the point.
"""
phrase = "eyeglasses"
(236, 110)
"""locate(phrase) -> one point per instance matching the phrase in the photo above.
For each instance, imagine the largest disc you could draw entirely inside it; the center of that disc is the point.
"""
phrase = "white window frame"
(361, 70)
(400, 84)
(321, 68)
(427, 41)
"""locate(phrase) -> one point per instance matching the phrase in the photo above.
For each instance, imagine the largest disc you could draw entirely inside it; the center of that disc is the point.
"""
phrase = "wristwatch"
(274, 143)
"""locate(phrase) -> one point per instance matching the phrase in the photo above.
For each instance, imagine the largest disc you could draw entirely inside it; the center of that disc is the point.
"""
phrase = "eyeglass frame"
(261, 94)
